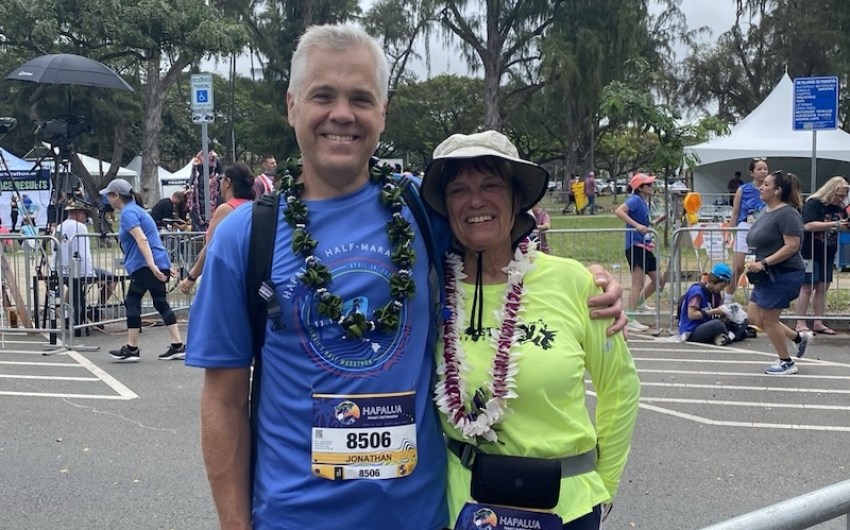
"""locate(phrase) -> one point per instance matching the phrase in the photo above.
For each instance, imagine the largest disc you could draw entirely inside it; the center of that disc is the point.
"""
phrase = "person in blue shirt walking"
(640, 247)
(746, 208)
(147, 263)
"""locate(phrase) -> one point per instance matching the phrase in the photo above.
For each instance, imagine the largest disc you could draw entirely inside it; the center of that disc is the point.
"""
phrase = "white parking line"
(705, 356)
(706, 421)
(48, 377)
(121, 391)
(757, 404)
(742, 374)
(719, 386)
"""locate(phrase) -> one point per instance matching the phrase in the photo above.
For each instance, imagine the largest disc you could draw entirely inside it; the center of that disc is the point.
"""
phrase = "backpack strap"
(412, 197)
(260, 292)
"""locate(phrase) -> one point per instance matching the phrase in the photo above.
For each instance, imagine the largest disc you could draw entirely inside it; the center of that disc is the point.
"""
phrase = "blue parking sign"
(203, 96)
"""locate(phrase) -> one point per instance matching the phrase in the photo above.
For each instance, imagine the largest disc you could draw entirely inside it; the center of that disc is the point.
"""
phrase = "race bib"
(368, 436)
(809, 265)
(752, 215)
(750, 256)
(474, 516)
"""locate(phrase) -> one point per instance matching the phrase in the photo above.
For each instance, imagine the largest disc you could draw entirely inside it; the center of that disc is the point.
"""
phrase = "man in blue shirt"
(346, 430)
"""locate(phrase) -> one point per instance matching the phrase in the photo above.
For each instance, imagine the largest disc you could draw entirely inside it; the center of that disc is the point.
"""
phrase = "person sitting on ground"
(701, 315)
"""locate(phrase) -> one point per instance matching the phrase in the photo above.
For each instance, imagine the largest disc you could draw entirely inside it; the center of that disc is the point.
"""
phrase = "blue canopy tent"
(29, 181)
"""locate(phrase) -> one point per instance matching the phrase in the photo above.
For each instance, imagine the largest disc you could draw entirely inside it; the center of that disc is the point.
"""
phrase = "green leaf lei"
(316, 274)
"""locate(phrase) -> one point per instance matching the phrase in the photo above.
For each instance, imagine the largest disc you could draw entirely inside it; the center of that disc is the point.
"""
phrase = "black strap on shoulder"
(410, 193)
(258, 284)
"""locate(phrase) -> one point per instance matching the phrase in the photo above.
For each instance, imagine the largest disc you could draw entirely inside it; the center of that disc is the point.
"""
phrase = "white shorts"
(741, 238)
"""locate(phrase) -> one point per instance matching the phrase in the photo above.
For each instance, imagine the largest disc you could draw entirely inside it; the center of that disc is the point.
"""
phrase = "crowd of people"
(385, 307)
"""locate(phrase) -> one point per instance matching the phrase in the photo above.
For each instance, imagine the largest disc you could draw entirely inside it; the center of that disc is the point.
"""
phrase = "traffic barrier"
(605, 246)
(32, 294)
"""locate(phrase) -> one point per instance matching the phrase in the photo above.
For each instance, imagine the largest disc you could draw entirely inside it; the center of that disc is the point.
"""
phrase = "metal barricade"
(97, 295)
(695, 249)
(32, 293)
(605, 246)
(799, 513)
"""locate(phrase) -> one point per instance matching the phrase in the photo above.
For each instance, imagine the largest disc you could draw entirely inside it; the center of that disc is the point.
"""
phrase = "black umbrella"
(68, 69)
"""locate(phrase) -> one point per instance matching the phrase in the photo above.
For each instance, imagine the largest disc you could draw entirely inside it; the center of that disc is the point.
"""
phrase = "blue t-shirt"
(639, 211)
(750, 202)
(319, 389)
(132, 215)
(707, 300)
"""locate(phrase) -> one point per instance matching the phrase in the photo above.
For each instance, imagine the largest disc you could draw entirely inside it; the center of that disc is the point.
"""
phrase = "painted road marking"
(706, 355)
(121, 392)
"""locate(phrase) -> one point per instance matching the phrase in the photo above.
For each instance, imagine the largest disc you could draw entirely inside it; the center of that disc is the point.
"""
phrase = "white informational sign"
(203, 117)
(710, 239)
(202, 94)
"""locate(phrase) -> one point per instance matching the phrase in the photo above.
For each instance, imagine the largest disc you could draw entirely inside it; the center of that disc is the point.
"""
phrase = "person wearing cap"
(327, 375)
(513, 349)
(701, 312)
(76, 263)
(147, 263)
(640, 246)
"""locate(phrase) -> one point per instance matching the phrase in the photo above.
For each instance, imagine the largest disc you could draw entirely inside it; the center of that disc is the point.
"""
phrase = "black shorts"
(639, 257)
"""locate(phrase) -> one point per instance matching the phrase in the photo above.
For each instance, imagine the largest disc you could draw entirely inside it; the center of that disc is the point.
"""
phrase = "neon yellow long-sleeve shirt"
(550, 417)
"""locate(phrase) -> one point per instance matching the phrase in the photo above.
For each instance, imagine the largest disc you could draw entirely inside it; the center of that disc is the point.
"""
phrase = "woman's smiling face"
(480, 209)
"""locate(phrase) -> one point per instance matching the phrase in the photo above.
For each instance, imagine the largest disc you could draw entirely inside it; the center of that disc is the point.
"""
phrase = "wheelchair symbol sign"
(202, 92)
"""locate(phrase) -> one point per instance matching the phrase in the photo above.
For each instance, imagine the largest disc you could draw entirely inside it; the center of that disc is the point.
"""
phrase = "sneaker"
(125, 355)
(722, 339)
(634, 325)
(782, 368)
(805, 338)
(646, 307)
(174, 354)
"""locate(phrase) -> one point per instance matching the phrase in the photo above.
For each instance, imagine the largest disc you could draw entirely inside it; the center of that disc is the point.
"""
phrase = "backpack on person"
(262, 302)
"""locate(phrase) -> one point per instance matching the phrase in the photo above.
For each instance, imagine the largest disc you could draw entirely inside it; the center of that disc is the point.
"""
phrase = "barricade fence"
(606, 247)
(694, 250)
(63, 288)
(32, 292)
(798, 513)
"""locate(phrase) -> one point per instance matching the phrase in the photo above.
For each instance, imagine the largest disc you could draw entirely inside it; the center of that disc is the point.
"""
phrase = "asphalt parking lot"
(88, 443)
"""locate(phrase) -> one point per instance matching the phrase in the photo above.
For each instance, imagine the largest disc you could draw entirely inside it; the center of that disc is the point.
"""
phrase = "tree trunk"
(154, 99)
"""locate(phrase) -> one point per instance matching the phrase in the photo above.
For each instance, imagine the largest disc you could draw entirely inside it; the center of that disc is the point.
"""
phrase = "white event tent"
(176, 181)
(768, 132)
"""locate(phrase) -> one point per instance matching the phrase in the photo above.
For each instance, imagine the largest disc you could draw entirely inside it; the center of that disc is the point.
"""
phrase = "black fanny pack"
(760, 277)
(513, 481)
(519, 481)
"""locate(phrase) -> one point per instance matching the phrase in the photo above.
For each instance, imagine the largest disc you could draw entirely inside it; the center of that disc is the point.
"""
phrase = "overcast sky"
(718, 15)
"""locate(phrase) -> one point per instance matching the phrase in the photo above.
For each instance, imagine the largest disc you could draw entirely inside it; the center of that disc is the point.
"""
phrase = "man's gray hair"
(337, 38)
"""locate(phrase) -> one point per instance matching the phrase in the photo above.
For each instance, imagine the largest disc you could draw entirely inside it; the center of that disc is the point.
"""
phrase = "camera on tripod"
(62, 131)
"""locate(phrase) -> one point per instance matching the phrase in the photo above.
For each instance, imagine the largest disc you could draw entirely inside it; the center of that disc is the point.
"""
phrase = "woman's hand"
(643, 229)
(158, 274)
(186, 285)
(609, 304)
(755, 266)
